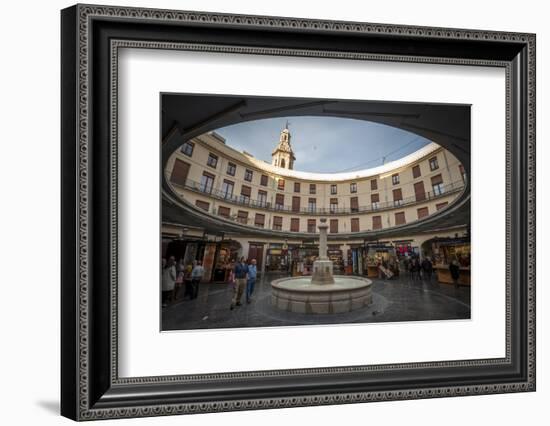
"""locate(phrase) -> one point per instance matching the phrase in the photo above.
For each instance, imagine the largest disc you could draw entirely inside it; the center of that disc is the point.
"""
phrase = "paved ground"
(393, 300)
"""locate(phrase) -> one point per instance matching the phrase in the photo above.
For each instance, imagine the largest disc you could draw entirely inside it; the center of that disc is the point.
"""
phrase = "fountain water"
(322, 293)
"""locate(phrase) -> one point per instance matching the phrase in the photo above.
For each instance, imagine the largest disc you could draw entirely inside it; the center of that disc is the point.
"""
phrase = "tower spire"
(283, 156)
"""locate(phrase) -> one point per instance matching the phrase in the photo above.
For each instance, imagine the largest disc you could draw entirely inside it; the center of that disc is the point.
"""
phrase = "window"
(295, 224)
(295, 204)
(245, 194)
(212, 160)
(333, 189)
(334, 205)
(354, 204)
(242, 217)
(279, 201)
(437, 185)
(227, 188)
(277, 223)
(375, 200)
(419, 192)
(231, 169)
(355, 224)
(440, 206)
(373, 185)
(353, 187)
(262, 198)
(263, 180)
(333, 226)
(187, 148)
(312, 188)
(422, 212)
(202, 205)
(377, 222)
(281, 184)
(283, 162)
(397, 197)
(207, 182)
(433, 164)
(312, 204)
(248, 175)
(416, 171)
(259, 220)
(311, 225)
(395, 179)
(180, 172)
(296, 186)
(224, 211)
(400, 218)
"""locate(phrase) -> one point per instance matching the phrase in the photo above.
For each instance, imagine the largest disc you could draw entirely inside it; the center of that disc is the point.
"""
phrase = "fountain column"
(322, 267)
(323, 229)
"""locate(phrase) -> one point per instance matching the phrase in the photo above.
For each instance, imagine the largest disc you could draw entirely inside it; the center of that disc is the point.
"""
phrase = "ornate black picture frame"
(91, 387)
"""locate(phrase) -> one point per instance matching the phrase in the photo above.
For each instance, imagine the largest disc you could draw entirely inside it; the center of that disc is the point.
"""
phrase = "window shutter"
(180, 172)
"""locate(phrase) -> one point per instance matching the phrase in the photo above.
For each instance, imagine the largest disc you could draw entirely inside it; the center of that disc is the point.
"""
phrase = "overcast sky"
(324, 144)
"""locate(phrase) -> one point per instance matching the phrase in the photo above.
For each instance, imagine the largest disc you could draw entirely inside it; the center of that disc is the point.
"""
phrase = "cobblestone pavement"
(394, 300)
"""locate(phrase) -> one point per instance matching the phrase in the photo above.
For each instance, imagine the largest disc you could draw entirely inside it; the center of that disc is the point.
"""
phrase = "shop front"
(335, 254)
(277, 259)
(186, 249)
(448, 250)
(381, 260)
(355, 258)
(227, 254)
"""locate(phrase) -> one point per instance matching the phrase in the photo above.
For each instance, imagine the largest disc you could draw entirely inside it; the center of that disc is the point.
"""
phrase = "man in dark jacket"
(427, 268)
(454, 269)
(241, 275)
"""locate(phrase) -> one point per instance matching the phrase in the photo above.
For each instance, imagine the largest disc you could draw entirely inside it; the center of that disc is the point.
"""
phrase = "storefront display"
(446, 251)
(226, 256)
(381, 261)
(335, 254)
(277, 258)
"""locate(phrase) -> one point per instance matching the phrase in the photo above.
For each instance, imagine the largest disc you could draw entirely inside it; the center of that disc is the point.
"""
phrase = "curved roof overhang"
(187, 116)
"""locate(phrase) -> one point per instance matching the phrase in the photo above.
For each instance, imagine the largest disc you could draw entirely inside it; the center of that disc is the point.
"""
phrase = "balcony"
(328, 211)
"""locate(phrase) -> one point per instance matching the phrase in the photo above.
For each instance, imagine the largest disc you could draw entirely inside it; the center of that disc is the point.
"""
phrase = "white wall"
(29, 229)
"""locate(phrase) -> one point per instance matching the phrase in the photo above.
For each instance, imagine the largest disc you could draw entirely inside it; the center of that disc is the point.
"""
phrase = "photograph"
(303, 212)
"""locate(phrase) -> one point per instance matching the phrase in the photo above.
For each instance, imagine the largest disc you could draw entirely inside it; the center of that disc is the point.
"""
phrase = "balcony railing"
(374, 207)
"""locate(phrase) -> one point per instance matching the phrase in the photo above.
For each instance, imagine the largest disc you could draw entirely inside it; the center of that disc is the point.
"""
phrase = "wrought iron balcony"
(242, 200)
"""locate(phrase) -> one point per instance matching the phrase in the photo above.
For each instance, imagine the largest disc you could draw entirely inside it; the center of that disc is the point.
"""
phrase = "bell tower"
(283, 156)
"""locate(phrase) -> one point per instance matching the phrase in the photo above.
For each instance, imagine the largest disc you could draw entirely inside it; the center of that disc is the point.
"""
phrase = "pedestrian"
(168, 281)
(417, 269)
(241, 275)
(251, 281)
(427, 268)
(180, 279)
(196, 277)
(454, 269)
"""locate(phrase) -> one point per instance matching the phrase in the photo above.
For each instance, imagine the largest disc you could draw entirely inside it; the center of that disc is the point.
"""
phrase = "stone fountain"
(322, 293)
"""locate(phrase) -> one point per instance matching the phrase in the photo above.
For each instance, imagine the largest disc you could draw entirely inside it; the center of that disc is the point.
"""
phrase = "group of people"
(175, 275)
(420, 270)
(243, 278)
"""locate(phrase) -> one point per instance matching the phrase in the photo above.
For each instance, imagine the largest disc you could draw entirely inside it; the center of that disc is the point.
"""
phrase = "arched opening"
(282, 162)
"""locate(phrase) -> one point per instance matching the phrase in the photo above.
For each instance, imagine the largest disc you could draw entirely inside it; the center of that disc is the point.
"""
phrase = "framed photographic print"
(264, 212)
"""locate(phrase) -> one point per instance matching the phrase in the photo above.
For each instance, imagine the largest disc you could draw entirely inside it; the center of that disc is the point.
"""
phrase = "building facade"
(236, 187)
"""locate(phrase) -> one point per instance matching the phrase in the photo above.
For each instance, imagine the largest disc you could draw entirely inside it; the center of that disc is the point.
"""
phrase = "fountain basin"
(301, 296)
